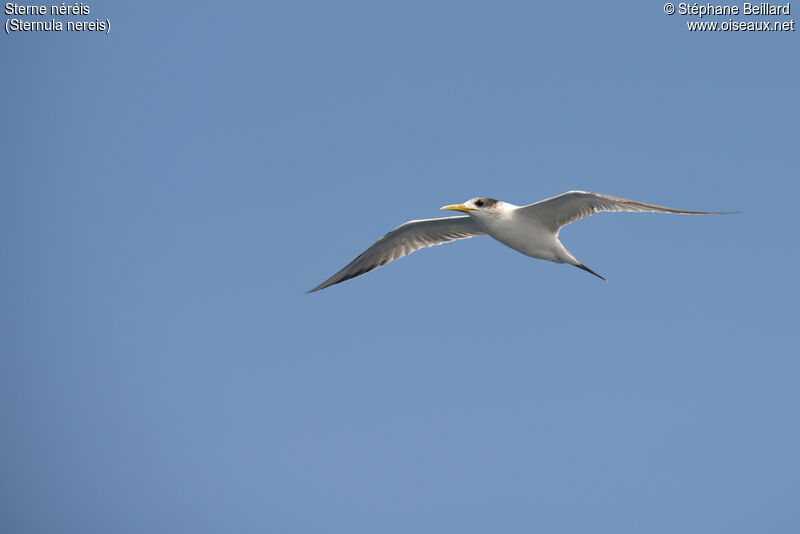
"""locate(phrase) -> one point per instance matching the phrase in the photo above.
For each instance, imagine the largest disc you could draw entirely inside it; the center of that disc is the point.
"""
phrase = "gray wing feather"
(404, 240)
(557, 212)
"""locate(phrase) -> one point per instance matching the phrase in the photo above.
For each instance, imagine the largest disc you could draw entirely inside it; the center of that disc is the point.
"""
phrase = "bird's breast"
(525, 236)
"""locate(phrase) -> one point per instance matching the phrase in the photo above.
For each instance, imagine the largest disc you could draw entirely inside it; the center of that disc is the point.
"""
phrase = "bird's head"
(479, 207)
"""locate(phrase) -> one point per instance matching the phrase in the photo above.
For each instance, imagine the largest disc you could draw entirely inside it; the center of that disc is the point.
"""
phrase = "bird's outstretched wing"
(557, 212)
(404, 240)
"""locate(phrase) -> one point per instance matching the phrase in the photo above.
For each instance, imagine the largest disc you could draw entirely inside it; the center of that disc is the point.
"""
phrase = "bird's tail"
(588, 270)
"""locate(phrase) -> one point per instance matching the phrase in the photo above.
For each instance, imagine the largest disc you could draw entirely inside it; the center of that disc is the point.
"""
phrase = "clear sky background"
(169, 191)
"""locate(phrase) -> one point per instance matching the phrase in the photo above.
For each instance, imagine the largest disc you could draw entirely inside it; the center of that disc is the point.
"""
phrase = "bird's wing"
(557, 212)
(404, 240)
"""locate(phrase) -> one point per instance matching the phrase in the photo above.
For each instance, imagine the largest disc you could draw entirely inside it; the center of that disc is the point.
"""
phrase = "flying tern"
(532, 229)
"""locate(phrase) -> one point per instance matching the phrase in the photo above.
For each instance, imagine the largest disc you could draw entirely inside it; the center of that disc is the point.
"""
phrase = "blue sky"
(169, 192)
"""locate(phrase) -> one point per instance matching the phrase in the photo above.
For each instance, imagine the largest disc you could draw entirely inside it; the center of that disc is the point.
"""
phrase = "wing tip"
(322, 286)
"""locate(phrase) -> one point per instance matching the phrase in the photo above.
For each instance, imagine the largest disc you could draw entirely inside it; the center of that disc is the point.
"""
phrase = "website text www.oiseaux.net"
(739, 25)
(752, 12)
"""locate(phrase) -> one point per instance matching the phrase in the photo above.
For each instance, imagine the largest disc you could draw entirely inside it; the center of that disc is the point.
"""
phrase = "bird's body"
(515, 228)
(532, 229)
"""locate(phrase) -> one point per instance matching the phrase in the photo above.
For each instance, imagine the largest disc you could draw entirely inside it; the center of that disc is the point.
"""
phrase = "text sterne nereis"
(77, 8)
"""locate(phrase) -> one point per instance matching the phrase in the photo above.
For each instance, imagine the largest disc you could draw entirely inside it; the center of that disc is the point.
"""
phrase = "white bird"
(531, 230)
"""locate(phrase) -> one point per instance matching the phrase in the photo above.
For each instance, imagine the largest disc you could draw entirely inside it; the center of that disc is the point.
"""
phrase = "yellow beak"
(458, 207)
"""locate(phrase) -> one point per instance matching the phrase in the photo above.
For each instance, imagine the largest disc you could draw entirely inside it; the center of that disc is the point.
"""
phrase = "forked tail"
(588, 270)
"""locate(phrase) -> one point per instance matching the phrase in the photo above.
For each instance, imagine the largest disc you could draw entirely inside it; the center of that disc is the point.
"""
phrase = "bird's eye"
(479, 203)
